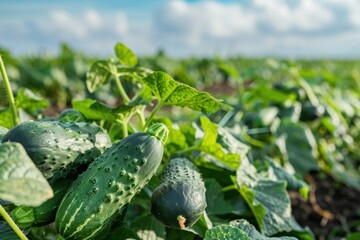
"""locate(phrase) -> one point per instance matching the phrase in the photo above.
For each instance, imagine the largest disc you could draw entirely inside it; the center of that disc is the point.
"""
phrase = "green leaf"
(125, 55)
(170, 92)
(276, 172)
(147, 227)
(3, 131)
(253, 233)
(6, 118)
(300, 147)
(6, 232)
(122, 232)
(95, 110)
(216, 203)
(99, 74)
(21, 182)
(267, 199)
(209, 145)
(29, 101)
(201, 226)
(353, 236)
(230, 143)
(226, 232)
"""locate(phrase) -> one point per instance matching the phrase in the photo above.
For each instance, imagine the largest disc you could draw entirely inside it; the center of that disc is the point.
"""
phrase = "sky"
(255, 28)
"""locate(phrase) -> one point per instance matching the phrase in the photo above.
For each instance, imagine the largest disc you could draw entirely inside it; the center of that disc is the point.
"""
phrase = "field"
(275, 141)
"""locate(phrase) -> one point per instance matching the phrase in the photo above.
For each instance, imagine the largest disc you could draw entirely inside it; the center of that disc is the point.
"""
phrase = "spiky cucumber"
(58, 148)
(109, 183)
(179, 201)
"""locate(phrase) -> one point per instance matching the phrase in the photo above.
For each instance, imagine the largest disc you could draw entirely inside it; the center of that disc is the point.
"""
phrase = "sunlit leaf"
(21, 182)
(170, 92)
(125, 55)
(99, 74)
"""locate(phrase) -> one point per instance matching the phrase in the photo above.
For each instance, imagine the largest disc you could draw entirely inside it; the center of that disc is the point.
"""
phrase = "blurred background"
(286, 28)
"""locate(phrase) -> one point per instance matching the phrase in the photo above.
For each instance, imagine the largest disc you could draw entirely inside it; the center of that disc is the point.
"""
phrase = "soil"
(332, 210)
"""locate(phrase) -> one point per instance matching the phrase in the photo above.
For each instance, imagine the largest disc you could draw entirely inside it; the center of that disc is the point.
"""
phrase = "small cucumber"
(59, 148)
(179, 201)
(109, 183)
(44, 214)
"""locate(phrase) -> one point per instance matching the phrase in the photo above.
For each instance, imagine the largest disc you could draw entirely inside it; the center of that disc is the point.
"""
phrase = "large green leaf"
(6, 232)
(125, 55)
(300, 147)
(170, 92)
(276, 172)
(216, 203)
(267, 199)
(29, 101)
(253, 233)
(95, 110)
(21, 182)
(226, 232)
(209, 145)
(148, 228)
(99, 74)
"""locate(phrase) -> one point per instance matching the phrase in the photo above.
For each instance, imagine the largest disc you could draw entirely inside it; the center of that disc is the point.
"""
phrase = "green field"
(276, 141)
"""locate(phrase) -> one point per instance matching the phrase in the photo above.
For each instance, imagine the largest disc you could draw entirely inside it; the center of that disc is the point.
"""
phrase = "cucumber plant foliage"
(102, 160)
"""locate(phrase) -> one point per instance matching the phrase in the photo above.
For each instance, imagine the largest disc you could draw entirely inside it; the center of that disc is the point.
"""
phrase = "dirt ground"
(332, 210)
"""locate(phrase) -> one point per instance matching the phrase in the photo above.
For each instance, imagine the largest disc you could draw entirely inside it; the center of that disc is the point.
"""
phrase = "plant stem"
(15, 117)
(12, 224)
(140, 115)
(154, 111)
(121, 90)
(189, 149)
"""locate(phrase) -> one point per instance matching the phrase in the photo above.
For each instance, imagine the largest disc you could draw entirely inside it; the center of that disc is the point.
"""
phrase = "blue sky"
(287, 28)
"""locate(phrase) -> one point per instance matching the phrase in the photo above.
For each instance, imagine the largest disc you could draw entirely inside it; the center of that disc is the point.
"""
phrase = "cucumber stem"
(154, 111)
(15, 117)
(122, 91)
(160, 131)
(12, 224)
(181, 221)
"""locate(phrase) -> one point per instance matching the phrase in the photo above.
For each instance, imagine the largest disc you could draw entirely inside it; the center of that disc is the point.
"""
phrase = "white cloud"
(258, 27)
(252, 27)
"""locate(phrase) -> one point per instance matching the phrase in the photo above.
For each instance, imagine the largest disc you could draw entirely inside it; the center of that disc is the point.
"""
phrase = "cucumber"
(46, 212)
(179, 201)
(59, 148)
(109, 183)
